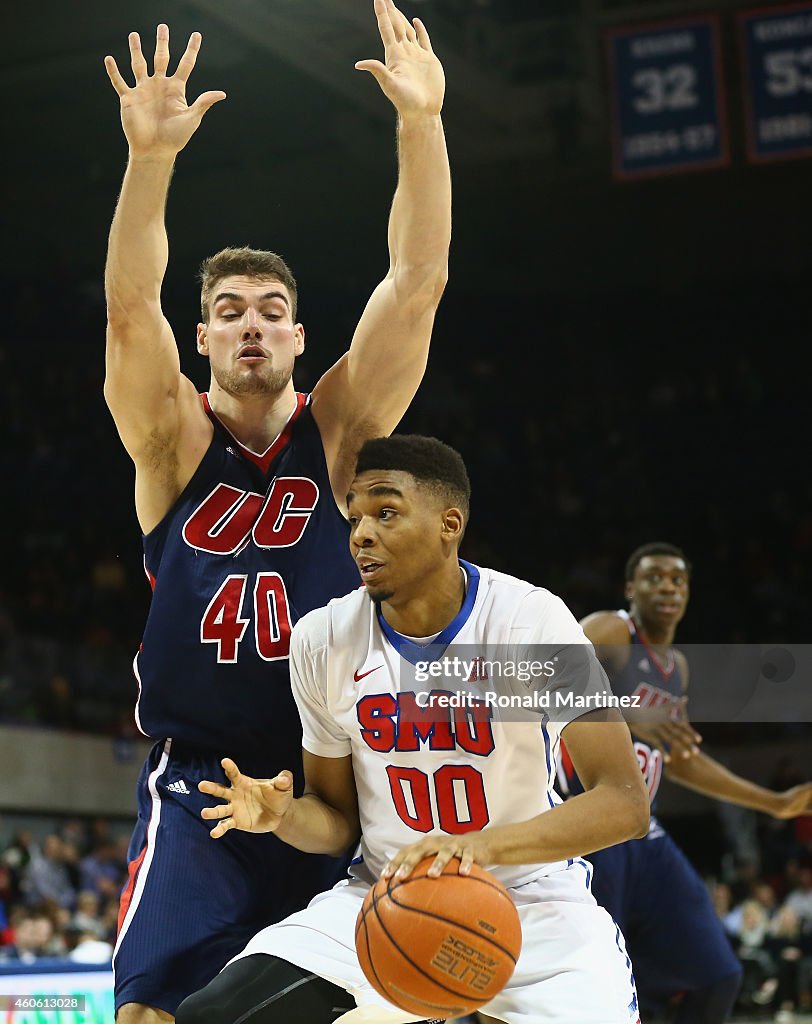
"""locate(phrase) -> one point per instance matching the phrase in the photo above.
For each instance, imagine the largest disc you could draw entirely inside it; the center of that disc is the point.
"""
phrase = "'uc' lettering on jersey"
(253, 543)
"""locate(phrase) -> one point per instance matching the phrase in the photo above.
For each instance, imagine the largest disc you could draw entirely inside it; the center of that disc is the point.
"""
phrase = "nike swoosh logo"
(358, 676)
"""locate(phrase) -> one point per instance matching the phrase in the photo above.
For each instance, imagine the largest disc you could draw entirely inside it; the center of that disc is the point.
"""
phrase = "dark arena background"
(618, 356)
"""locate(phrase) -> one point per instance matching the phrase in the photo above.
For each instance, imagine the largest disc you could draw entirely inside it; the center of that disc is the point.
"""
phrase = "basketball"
(438, 947)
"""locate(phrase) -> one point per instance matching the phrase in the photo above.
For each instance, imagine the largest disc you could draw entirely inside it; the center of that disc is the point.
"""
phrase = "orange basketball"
(438, 947)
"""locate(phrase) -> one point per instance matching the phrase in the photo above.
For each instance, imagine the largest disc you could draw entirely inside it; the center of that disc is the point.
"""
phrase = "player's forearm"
(591, 821)
(138, 249)
(706, 776)
(420, 218)
(314, 826)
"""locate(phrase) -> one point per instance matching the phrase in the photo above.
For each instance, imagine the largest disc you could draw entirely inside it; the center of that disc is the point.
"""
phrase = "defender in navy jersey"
(648, 886)
(235, 493)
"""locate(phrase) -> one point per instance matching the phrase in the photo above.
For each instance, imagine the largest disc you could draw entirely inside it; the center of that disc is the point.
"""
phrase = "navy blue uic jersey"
(233, 565)
(253, 542)
(660, 903)
(657, 682)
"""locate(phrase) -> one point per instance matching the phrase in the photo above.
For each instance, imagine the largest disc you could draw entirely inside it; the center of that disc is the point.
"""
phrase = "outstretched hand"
(156, 118)
(411, 76)
(668, 728)
(252, 805)
(794, 802)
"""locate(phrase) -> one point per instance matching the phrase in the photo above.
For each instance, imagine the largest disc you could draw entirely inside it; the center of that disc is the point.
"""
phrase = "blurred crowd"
(758, 870)
(59, 898)
(769, 924)
(59, 895)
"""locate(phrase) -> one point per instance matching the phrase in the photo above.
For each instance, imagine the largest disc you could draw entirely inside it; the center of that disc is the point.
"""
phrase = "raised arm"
(144, 388)
(367, 392)
(705, 775)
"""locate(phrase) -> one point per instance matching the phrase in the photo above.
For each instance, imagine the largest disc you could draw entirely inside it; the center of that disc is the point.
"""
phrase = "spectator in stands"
(17, 857)
(722, 899)
(101, 870)
(33, 933)
(47, 876)
(750, 942)
(70, 858)
(90, 949)
(764, 895)
(784, 942)
(109, 918)
(761, 893)
(60, 919)
(75, 831)
(86, 919)
(800, 899)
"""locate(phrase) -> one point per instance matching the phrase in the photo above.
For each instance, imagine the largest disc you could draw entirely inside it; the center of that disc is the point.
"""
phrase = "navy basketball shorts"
(673, 935)
(191, 902)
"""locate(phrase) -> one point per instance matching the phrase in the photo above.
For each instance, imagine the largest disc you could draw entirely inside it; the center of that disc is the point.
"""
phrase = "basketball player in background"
(239, 495)
(365, 742)
(674, 937)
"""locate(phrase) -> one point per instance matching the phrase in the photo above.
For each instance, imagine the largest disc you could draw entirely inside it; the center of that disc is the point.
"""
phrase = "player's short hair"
(256, 263)
(657, 547)
(428, 460)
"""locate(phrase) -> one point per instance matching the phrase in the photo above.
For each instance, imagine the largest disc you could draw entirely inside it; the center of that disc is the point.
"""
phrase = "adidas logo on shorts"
(179, 787)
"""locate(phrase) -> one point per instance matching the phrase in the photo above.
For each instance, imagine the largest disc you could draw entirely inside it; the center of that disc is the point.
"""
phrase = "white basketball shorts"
(573, 965)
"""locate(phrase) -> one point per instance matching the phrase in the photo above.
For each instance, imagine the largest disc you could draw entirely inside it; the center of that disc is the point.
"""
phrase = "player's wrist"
(285, 828)
(419, 120)
(777, 804)
(152, 159)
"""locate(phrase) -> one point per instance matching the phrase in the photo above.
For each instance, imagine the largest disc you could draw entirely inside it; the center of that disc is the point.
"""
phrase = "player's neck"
(430, 610)
(255, 420)
(657, 636)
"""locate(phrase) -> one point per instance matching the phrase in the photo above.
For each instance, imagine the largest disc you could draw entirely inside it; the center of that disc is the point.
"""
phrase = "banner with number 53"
(777, 47)
(667, 97)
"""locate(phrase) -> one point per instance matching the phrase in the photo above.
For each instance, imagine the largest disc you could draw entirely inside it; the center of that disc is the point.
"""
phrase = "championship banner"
(777, 61)
(667, 97)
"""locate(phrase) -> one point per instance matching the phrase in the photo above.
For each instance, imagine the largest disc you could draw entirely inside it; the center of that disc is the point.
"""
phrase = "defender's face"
(251, 339)
(396, 533)
(660, 589)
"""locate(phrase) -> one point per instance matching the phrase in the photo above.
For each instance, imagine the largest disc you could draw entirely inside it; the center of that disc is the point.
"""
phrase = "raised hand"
(156, 118)
(252, 805)
(412, 77)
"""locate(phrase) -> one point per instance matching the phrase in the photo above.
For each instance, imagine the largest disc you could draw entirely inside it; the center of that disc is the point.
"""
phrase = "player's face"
(660, 589)
(399, 533)
(251, 339)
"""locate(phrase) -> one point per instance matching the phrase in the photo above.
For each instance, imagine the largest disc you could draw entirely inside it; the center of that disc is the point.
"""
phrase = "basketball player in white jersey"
(381, 768)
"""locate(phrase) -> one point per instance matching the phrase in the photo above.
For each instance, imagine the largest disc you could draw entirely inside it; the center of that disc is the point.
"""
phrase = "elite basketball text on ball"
(438, 946)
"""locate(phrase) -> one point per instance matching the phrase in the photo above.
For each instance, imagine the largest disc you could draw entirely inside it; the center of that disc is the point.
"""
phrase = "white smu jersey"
(443, 770)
